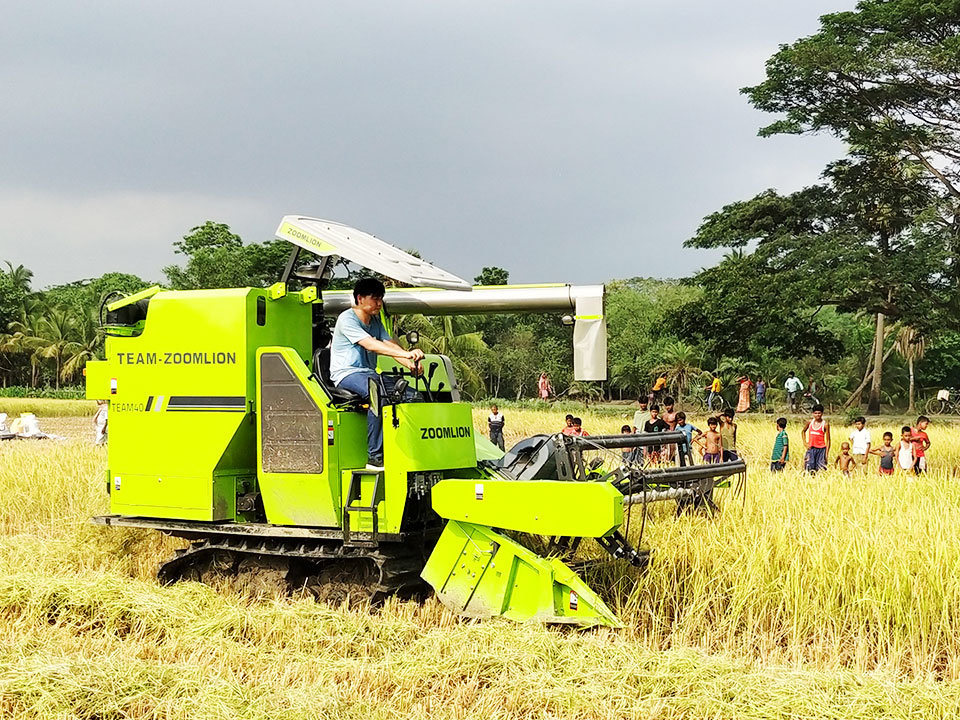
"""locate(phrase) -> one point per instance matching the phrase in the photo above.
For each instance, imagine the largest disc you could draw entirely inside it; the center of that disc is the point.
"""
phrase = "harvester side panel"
(181, 400)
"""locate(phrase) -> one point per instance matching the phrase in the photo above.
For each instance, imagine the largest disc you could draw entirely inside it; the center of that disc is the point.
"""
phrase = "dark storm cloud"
(564, 141)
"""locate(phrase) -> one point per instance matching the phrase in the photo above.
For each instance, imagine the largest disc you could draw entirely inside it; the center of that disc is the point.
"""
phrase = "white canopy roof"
(325, 238)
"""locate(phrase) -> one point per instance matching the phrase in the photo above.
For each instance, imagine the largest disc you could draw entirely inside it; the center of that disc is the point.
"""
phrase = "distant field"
(827, 597)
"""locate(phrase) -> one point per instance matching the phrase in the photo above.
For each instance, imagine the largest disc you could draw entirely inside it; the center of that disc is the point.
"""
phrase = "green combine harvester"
(225, 430)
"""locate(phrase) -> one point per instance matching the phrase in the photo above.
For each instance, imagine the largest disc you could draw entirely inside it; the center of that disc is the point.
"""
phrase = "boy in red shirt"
(921, 443)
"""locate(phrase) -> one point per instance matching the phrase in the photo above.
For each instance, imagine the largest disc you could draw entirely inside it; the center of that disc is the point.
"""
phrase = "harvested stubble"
(825, 597)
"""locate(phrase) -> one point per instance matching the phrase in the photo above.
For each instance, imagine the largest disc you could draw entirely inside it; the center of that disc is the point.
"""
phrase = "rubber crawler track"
(383, 570)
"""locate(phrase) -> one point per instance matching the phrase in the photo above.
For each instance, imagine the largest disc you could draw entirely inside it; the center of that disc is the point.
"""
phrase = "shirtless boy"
(845, 461)
(712, 447)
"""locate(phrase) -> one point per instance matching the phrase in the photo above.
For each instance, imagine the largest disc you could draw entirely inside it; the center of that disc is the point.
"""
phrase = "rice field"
(806, 597)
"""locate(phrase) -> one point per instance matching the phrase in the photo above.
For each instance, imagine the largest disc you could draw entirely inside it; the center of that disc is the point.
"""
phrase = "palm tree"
(56, 329)
(911, 347)
(682, 364)
(449, 338)
(23, 338)
(87, 340)
(20, 276)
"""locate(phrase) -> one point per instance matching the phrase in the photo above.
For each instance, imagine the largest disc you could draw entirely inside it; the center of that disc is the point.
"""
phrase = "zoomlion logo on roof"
(445, 432)
(295, 233)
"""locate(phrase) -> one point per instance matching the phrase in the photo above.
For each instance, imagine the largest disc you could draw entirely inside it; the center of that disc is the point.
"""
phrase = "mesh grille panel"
(291, 424)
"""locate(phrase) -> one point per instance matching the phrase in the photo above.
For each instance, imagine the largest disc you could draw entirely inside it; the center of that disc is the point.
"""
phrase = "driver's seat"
(338, 396)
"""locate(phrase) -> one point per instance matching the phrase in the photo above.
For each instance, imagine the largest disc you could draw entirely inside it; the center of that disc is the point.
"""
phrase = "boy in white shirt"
(860, 441)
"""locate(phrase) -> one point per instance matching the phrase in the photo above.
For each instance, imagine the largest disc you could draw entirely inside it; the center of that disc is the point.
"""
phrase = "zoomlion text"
(439, 433)
(177, 358)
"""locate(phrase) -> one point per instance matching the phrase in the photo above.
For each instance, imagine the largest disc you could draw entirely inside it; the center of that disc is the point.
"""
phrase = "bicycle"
(701, 401)
(943, 403)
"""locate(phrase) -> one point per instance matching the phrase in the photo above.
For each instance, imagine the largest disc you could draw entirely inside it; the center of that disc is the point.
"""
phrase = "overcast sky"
(564, 141)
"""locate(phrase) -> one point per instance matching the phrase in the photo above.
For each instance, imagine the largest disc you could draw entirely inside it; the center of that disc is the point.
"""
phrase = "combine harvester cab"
(226, 430)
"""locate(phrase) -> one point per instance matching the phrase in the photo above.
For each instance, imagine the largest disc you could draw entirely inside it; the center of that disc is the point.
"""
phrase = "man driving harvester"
(358, 337)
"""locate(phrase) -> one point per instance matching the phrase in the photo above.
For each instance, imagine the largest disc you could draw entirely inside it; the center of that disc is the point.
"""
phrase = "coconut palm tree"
(87, 341)
(55, 337)
(682, 363)
(911, 347)
(448, 337)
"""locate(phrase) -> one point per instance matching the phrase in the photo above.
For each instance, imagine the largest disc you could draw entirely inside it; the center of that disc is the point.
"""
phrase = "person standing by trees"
(544, 388)
(793, 386)
(715, 387)
(761, 395)
(743, 403)
(816, 436)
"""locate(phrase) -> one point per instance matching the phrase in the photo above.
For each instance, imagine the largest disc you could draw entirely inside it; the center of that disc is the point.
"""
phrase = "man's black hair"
(366, 286)
(626, 429)
(922, 418)
(568, 417)
(654, 407)
(728, 413)
(713, 421)
(906, 429)
(860, 419)
(781, 422)
(577, 421)
(818, 408)
(681, 416)
(888, 434)
(791, 373)
(669, 401)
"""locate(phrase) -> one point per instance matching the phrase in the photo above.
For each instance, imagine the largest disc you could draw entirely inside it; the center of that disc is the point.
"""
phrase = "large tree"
(885, 76)
(217, 258)
(882, 234)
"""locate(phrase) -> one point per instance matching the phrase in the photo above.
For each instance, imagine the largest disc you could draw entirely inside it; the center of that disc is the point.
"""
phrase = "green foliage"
(217, 258)
(492, 276)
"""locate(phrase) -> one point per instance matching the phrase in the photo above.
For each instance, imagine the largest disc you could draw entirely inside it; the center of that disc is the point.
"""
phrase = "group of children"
(909, 454)
(718, 443)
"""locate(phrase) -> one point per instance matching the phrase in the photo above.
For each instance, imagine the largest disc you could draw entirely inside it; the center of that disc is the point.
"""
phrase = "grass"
(825, 597)
(47, 407)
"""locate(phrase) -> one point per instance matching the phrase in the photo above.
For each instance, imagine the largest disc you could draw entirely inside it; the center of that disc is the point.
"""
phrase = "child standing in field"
(781, 447)
(670, 418)
(816, 436)
(578, 428)
(906, 455)
(496, 421)
(860, 442)
(713, 447)
(568, 428)
(655, 424)
(728, 434)
(688, 430)
(886, 452)
(845, 460)
(921, 443)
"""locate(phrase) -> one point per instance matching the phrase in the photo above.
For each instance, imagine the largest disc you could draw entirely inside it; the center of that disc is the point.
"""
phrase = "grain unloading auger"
(226, 430)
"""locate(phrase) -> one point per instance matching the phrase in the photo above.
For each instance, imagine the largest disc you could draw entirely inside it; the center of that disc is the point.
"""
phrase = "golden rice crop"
(809, 597)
